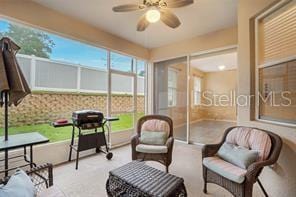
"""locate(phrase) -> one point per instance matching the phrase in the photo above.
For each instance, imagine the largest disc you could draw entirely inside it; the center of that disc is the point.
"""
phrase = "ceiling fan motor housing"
(155, 3)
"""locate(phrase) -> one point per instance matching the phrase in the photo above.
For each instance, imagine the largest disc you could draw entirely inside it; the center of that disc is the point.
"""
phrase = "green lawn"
(58, 134)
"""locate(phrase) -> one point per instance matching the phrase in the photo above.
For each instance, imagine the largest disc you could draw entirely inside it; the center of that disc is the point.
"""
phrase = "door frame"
(189, 55)
(154, 87)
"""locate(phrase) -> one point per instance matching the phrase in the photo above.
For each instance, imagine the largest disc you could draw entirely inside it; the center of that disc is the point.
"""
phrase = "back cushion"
(237, 155)
(259, 140)
(153, 137)
(250, 138)
(156, 125)
(239, 136)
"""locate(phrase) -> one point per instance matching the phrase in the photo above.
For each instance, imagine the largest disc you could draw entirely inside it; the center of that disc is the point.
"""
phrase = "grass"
(64, 133)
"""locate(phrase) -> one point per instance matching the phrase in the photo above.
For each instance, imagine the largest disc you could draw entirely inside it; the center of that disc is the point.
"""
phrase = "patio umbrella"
(13, 85)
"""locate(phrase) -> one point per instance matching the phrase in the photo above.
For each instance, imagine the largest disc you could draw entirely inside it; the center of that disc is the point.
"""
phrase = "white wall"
(280, 180)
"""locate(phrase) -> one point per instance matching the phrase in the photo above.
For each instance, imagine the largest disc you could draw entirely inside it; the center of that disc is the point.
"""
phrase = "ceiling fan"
(156, 10)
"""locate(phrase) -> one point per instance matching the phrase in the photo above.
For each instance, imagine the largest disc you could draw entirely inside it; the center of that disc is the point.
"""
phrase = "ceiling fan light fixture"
(221, 67)
(152, 15)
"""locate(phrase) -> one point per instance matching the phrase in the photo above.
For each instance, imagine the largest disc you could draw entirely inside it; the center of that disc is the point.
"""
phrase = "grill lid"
(87, 116)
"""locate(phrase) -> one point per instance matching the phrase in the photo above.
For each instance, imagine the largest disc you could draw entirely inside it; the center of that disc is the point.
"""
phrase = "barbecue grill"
(88, 123)
(88, 119)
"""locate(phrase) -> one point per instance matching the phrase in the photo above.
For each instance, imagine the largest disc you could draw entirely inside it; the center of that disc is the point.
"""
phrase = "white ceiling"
(212, 63)
(202, 17)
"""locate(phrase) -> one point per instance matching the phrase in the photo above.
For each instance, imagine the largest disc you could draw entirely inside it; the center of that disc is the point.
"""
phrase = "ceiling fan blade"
(178, 3)
(169, 18)
(128, 8)
(143, 23)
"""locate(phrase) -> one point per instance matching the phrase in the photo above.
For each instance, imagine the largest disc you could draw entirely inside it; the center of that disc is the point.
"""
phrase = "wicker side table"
(137, 179)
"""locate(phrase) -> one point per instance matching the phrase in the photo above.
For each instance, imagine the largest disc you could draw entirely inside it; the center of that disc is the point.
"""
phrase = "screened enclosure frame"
(260, 65)
(78, 88)
(134, 76)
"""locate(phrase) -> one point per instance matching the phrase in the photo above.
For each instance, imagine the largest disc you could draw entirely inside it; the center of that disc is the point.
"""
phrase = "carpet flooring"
(89, 180)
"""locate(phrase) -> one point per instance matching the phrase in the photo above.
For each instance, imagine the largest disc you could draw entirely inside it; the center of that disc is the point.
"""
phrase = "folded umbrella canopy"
(13, 85)
(12, 79)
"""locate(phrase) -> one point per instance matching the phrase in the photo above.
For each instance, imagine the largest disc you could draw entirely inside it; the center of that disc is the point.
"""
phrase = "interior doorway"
(213, 82)
(198, 93)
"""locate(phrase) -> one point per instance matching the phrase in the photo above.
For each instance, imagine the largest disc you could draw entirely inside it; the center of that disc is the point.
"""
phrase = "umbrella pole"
(6, 131)
(6, 115)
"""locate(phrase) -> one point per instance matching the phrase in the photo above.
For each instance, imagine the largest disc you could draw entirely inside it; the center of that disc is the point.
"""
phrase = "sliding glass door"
(170, 93)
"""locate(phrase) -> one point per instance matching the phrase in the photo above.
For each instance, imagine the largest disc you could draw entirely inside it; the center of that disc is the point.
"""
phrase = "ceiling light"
(153, 15)
(222, 67)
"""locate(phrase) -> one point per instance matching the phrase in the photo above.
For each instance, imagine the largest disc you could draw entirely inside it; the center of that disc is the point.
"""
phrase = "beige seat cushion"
(52, 191)
(144, 148)
(253, 139)
(225, 169)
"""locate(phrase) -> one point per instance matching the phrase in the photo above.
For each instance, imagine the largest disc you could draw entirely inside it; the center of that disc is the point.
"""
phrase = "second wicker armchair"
(154, 150)
(235, 179)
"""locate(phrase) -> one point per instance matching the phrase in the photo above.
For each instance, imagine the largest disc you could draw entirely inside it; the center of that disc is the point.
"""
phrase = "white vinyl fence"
(49, 75)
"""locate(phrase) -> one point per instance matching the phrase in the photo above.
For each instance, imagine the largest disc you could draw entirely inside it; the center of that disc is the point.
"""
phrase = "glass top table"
(20, 141)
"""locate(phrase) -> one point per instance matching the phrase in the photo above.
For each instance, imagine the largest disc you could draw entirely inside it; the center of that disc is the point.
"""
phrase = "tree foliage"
(142, 73)
(32, 42)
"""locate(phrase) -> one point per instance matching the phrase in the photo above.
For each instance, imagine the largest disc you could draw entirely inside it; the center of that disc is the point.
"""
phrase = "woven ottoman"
(138, 179)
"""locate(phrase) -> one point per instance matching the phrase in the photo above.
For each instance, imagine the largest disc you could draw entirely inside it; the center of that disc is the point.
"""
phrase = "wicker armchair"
(164, 158)
(244, 189)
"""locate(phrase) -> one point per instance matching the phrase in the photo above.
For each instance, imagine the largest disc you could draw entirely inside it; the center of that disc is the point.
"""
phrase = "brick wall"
(45, 107)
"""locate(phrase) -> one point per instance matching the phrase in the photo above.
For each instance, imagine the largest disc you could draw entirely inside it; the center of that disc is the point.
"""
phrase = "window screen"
(121, 62)
(122, 84)
(55, 75)
(25, 65)
(92, 79)
(277, 86)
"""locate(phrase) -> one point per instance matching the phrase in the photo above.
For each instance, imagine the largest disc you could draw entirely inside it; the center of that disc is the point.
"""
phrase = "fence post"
(33, 72)
(78, 78)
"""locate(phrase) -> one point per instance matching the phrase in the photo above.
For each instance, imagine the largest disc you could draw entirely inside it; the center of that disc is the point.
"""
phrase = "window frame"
(173, 88)
(195, 91)
(274, 8)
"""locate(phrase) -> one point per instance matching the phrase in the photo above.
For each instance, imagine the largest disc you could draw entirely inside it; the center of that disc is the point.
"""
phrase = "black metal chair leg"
(72, 143)
(70, 153)
(205, 188)
(98, 149)
(77, 159)
(6, 163)
(262, 188)
(32, 164)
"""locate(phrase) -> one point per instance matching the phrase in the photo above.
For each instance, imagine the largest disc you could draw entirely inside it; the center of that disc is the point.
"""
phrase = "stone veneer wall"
(45, 107)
